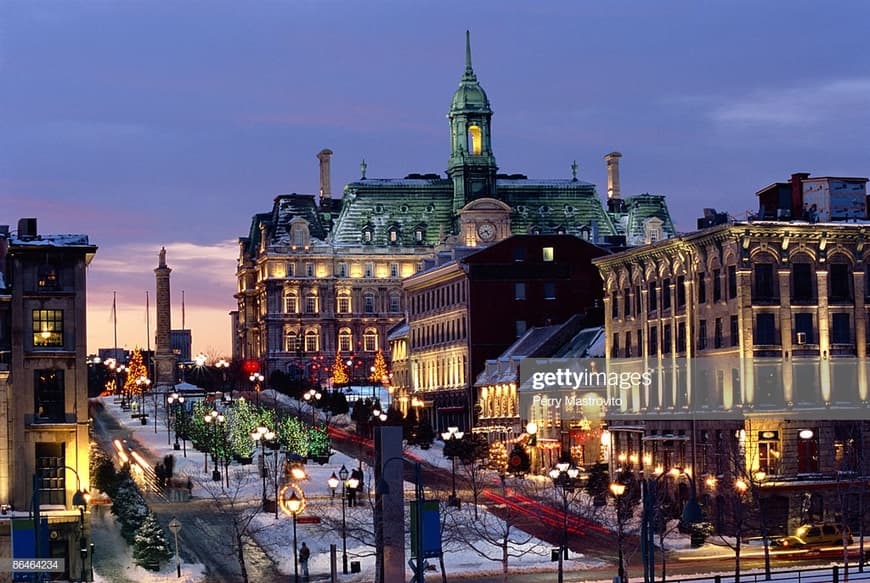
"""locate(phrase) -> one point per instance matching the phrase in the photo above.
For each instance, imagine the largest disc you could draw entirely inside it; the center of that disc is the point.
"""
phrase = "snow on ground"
(276, 536)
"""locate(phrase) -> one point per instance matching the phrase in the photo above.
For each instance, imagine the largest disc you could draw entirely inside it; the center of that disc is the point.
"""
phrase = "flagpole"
(115, 322)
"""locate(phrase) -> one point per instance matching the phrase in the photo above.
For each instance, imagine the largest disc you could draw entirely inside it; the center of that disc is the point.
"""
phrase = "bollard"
(333, 563)
(717, 579)
(835, 576)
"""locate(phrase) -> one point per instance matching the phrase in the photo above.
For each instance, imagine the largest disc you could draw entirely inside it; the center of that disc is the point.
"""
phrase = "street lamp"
(618, 489)
(142, 384)
(261, 435)
(452, 439)
(174, 400)
(565, 478)
(312, 397)
(256, 378)
(222, 365)
(333, 483)
(213, 419)
(295, 504)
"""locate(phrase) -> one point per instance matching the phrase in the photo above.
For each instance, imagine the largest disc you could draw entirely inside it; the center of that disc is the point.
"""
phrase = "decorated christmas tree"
(339, 371)
(136, 370)
(380, 372)
(242, 421)
(293, 435)
(498, 457)
(318, 445)
(150, 547)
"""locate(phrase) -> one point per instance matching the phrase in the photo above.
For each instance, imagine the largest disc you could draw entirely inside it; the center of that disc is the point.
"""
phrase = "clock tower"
(472, 165)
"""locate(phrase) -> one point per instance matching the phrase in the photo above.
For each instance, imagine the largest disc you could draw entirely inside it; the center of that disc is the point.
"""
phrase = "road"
(205, 536)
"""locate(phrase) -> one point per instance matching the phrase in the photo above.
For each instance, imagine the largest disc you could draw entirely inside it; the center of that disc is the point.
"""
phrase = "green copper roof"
(403, 205)
(470, 96)
(638, 209)
(547, 206)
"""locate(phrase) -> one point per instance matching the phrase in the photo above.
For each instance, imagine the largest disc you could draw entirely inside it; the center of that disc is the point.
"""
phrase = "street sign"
(174, 525)
(308, 520)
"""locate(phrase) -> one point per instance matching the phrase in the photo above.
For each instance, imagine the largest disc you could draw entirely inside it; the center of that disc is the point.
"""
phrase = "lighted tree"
(242, 420)
(318, 445)
(498, 457)
(340, 375)
(380, 372)
(293, 435)
(136, 370)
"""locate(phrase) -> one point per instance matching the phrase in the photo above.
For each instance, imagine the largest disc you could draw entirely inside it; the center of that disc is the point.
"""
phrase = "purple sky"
(170, 123)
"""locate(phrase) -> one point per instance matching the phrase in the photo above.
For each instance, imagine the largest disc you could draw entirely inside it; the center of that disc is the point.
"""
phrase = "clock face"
(486, 231)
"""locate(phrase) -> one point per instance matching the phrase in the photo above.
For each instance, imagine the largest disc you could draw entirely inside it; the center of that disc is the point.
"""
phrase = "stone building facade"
(43, 388)
(756, 335)
(320, 276)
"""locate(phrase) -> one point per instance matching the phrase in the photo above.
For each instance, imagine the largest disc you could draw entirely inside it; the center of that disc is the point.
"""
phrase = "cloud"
(798, 105)
(210, 262)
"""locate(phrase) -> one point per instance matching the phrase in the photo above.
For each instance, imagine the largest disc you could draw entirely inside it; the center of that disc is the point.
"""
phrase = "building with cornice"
(756, 335)
(320, 276)
(44, 442)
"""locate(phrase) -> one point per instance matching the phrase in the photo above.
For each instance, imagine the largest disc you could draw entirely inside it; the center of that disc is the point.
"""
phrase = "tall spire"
(469, 71)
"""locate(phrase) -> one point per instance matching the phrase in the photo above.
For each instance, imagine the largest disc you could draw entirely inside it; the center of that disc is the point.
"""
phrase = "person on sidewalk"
(304, 554)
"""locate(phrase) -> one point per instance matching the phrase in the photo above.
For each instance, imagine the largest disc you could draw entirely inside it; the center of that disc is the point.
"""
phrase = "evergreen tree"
(150, 547)
(340, 375)
(598, 483)
(104, 477)
(380, 372)
(425, 435)
(318, 445)
(293, 436)
(136, 370)
(242, 421)
(498, 457)
(128, 505)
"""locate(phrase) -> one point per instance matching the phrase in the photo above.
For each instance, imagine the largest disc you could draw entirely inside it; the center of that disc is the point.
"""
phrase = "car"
(789, 542)
(826, 533)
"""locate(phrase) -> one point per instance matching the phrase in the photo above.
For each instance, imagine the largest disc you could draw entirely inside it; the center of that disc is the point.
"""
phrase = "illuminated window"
(475, 146)
(393, 235)
(548, 254)
(418, 235)
(345, 340)
(344, 304)
(370, 340)
(47, 328)
(291, 303)
(311, 341)
(290, 341)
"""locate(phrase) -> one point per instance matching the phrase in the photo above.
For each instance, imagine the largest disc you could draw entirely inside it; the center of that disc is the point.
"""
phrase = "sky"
(154, 123)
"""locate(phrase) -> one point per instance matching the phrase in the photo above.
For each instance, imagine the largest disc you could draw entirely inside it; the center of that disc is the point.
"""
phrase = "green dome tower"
(472, 164)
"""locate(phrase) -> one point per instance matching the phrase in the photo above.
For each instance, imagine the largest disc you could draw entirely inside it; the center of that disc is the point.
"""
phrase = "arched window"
(419, 233)
(343, 303)
(475, 140)
(393, 235)
(291, 302)
(310, 304)
(370, 340)
(311, 341)
(345, 340)
(369, 302)
(367, 234)
(290, 341)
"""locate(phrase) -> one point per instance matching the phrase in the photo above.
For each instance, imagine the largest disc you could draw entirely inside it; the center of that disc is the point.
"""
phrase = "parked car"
(826, 533)
(789, 542)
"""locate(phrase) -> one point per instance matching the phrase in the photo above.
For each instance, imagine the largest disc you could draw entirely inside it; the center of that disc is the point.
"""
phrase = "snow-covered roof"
(68, 240)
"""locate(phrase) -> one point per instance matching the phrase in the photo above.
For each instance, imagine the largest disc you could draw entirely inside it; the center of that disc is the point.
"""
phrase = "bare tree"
(497, 538)
(236, 513)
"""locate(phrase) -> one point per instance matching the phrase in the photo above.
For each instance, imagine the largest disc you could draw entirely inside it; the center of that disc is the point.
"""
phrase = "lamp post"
(295, 504)
(222, 365)
(261, 435)
(333, 483)
(214, 420)
(142, 384)
(452, 439)
(312, 397)
(532, 430)
(565, 478)
(174, 400)
(256, 378)
(618, 490)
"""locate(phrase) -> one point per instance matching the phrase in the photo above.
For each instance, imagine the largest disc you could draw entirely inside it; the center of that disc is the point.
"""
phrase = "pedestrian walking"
(304, 554)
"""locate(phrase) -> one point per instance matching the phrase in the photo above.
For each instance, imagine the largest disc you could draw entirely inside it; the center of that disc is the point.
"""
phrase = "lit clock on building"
(486, 231)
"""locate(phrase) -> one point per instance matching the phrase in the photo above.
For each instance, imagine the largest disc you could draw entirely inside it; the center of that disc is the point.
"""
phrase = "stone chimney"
(797, 194)
(325, 156)
(613, 175)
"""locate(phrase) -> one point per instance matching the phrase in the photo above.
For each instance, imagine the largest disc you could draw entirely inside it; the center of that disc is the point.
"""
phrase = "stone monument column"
(164, 358)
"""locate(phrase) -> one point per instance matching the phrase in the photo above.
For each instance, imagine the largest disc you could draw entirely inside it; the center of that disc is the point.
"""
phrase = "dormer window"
(653, 230)
(393, 235)
(367, 234)
(418, 234)
(299, 233)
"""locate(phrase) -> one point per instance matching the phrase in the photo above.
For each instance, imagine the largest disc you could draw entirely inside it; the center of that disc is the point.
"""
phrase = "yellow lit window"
(474, 140)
